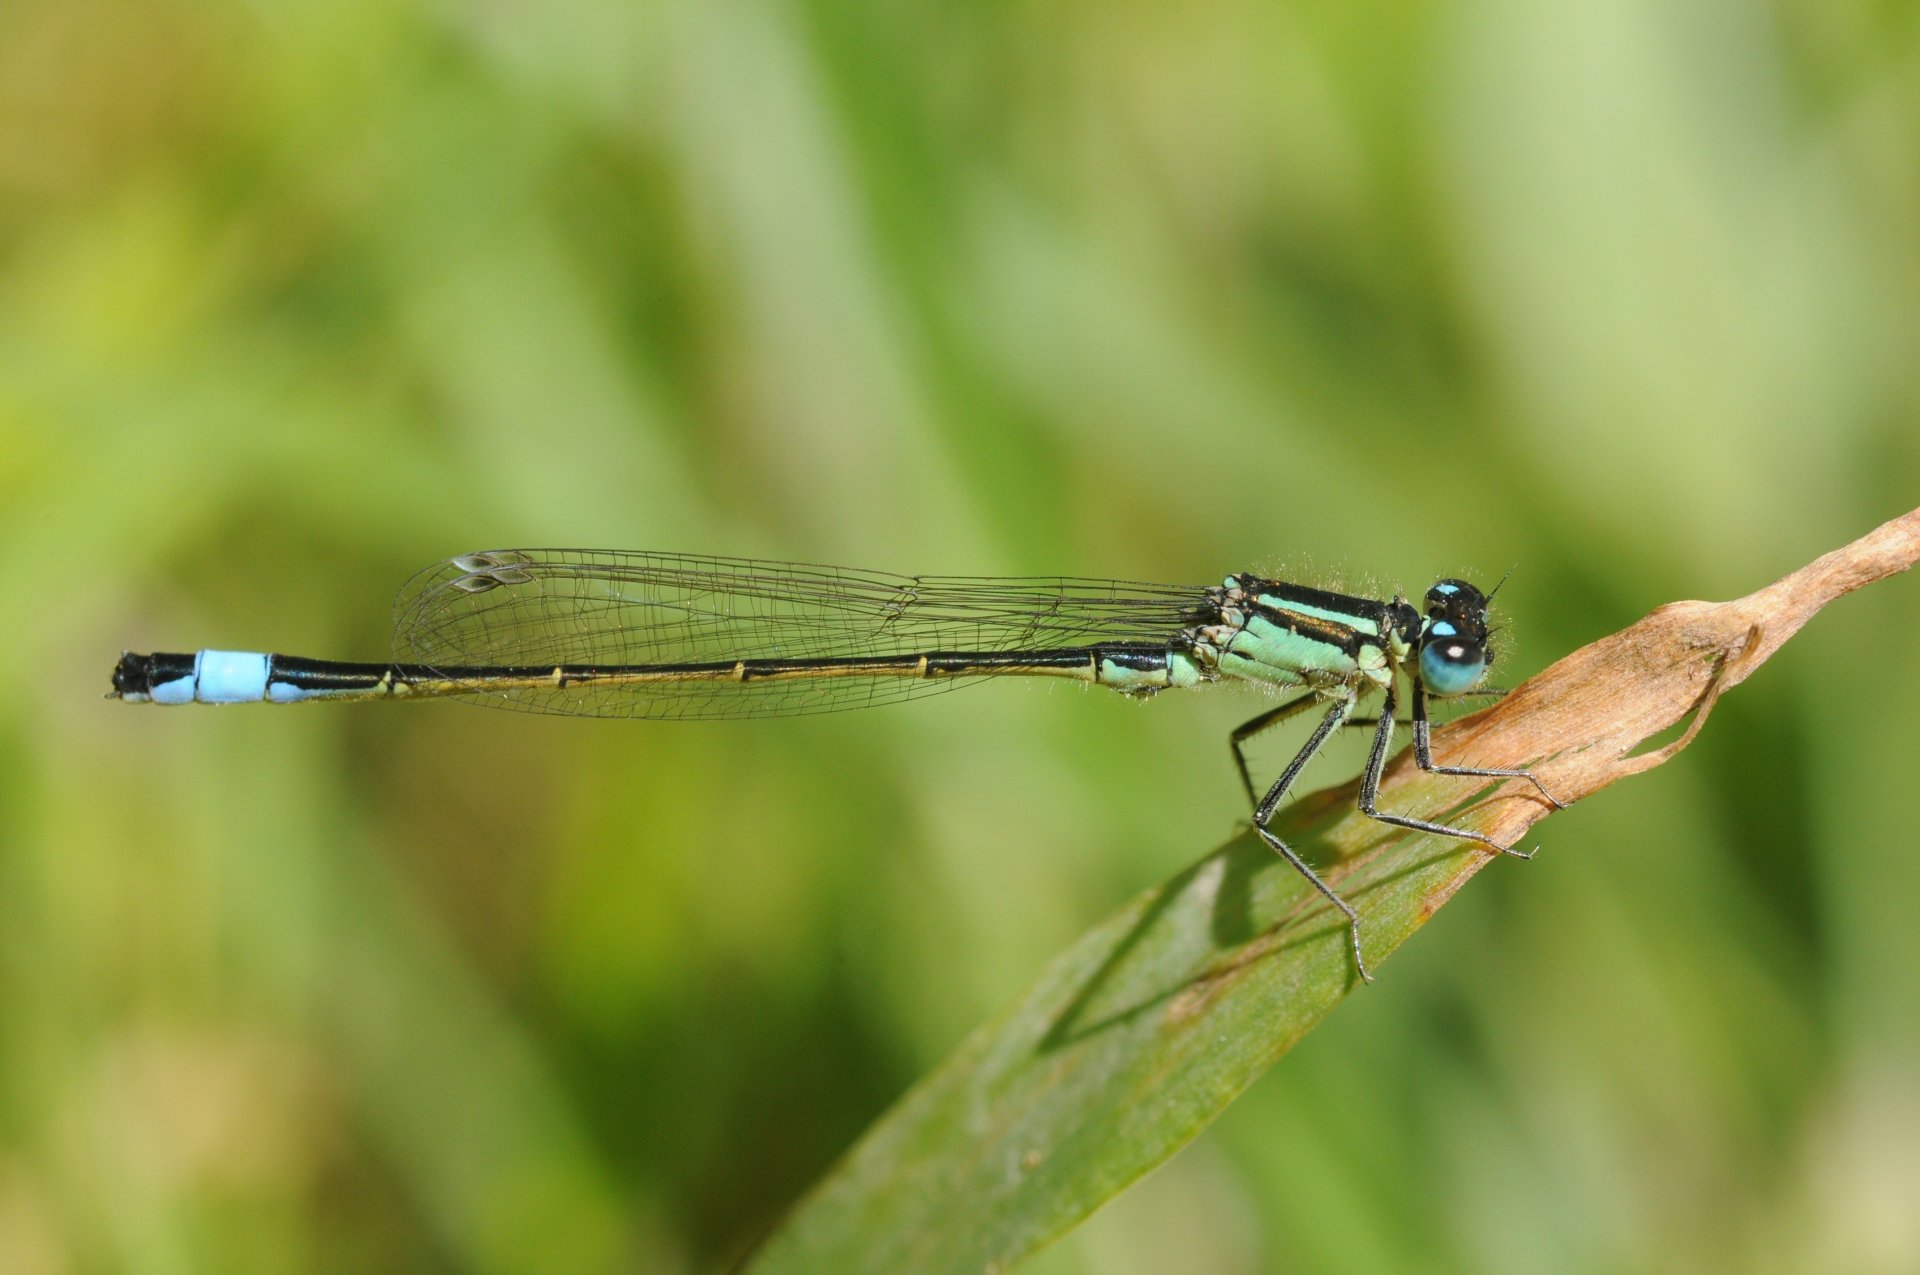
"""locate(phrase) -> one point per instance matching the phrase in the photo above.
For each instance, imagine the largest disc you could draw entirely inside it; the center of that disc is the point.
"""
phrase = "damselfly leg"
(1248, 729)
(1383, 729)
(1263, 812)
(1423, 756)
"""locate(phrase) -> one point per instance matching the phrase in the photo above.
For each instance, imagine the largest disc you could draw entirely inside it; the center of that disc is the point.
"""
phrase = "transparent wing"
(543, 607)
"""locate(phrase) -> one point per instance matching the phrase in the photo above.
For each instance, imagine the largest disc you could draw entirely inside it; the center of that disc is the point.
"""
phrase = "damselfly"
(654, 635)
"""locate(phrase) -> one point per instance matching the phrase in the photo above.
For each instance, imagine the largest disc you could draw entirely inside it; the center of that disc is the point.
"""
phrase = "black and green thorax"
(1293, 635)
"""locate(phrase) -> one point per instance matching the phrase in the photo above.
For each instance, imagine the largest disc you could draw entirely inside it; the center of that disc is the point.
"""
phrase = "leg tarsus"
(1299, 865)
(1423, 754)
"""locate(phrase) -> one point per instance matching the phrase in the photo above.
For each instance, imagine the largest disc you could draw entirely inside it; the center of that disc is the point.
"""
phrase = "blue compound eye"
(1449, 665)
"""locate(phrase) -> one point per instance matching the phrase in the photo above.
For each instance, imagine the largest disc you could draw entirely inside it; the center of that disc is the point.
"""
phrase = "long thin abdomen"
(251, 677)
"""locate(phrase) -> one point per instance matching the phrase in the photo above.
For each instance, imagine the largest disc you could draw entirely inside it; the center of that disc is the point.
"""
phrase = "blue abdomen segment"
(232, 677)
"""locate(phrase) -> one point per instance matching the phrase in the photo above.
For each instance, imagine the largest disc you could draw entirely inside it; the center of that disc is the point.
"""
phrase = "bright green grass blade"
(1127, 1046)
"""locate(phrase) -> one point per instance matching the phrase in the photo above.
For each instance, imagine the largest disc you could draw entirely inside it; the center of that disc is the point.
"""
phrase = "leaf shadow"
(1237, 934)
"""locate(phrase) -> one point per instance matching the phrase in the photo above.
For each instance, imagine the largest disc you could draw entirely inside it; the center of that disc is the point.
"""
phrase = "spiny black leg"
(1377, 763)
(1271, 802)
(1423, 753)
(1247, 730)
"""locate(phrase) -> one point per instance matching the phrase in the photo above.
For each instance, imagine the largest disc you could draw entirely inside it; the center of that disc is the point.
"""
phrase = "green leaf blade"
(1126, 1047)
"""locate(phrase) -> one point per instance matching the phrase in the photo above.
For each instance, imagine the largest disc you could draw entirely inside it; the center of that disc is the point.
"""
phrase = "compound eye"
(1451, 665)
(1453, 595)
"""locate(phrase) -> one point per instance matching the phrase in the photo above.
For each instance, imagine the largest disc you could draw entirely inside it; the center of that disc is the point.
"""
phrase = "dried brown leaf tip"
(1579, 722)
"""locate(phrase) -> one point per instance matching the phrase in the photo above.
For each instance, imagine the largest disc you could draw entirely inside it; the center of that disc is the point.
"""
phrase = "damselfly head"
(1454, 654)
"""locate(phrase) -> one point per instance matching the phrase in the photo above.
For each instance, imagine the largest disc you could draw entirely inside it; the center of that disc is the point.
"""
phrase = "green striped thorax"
(1272, 631)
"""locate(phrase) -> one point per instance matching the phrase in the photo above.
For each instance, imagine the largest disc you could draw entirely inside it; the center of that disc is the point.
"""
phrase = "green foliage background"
(297, 297)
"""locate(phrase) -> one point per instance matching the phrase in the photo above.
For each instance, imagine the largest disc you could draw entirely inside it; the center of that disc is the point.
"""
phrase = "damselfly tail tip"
(132, 677)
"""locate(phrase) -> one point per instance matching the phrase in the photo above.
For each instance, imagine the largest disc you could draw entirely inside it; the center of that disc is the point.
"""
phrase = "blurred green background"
(297, 297)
